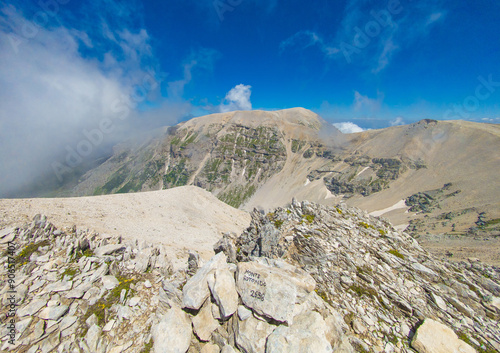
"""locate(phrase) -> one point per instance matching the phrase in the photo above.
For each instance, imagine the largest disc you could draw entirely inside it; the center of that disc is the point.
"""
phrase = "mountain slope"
(432, 177)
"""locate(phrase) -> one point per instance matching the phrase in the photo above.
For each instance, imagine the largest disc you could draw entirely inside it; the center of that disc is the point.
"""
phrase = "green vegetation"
(102, 306)
(382, 232)
(463, 336)
(148, 346)
(338, 210)
(24, 256)
(309, 217)
(360, 291)
(396, 253)
(87, 253)
(178, 175)
(69, 272)
(237, 196)
(116, 179)
(365, 225)
(364, 269)
(492, 222)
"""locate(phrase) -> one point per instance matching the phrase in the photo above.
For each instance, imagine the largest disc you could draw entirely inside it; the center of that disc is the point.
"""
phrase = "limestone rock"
(173, 332)
(108, 249)
(434, 337)
(224, 292)
(53, 312)
(109, 282)
(92, 337)
(204, 323)
(271, 291)
(210, 348)
(196, 290)
(251, 335)
(305, 335)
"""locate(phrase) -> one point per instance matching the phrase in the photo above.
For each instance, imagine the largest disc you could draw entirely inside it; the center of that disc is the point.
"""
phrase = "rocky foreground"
(306, 278)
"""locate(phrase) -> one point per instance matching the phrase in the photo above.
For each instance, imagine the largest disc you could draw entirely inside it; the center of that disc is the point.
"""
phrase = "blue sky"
(70, 67)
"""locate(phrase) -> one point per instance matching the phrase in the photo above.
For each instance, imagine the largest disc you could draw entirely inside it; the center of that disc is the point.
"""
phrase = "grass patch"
(69, 272)
(309, 218)
(382, 232)
(360, 291)
(24, 256)
(102, 306)
(79, 254)
(364, 269)
(463, 336)
(148, 347)
(396, 253)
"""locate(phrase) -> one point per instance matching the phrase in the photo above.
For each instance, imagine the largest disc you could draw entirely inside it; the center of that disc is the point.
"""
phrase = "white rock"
(272, 291)
(109, 326)
(53, 312)
(204, 323)
(196, 290)
(67, 321)
(210, 348)
(147, 284)
(173, 333)
(224, 292)
(227, 349)
(92, 337)
(251, 334)
(434, 337)
(109, 282)
(243, 312)
(32, 308)
(134, 301)
(108, 249)
(305, 335)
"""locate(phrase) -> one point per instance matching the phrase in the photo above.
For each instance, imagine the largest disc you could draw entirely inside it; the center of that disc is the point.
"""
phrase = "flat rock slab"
(434, 337)
(224, 292)
(53, 312)
(272, 291)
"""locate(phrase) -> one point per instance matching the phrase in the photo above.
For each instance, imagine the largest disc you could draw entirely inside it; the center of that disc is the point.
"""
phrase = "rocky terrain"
(262, 159)
(305, 278)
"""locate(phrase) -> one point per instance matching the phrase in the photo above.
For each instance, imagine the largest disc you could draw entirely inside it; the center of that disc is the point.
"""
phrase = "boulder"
(223, 289)
(196, 290)
(272, 291)
(305, 335)
(251, 334)
(53, 312)
(204, 323)
(173, 333)
(434, 337)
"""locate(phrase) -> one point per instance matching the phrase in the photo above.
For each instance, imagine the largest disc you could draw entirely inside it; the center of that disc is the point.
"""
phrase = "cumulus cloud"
(348, 127)
(238, 98)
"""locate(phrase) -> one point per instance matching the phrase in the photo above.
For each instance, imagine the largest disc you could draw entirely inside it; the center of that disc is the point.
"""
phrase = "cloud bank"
(68, 93)
(348, 127)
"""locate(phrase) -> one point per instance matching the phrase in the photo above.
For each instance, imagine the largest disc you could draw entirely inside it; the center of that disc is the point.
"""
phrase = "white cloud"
(238, 98)
(398, 121)
(51, 93)
(348, 127)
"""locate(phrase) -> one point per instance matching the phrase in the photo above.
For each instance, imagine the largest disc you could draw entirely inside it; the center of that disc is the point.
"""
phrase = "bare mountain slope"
(181, 219)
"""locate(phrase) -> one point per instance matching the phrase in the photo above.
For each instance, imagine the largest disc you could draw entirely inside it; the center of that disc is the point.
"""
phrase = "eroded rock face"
(224, 292)
(251, 334)
(434, 337)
